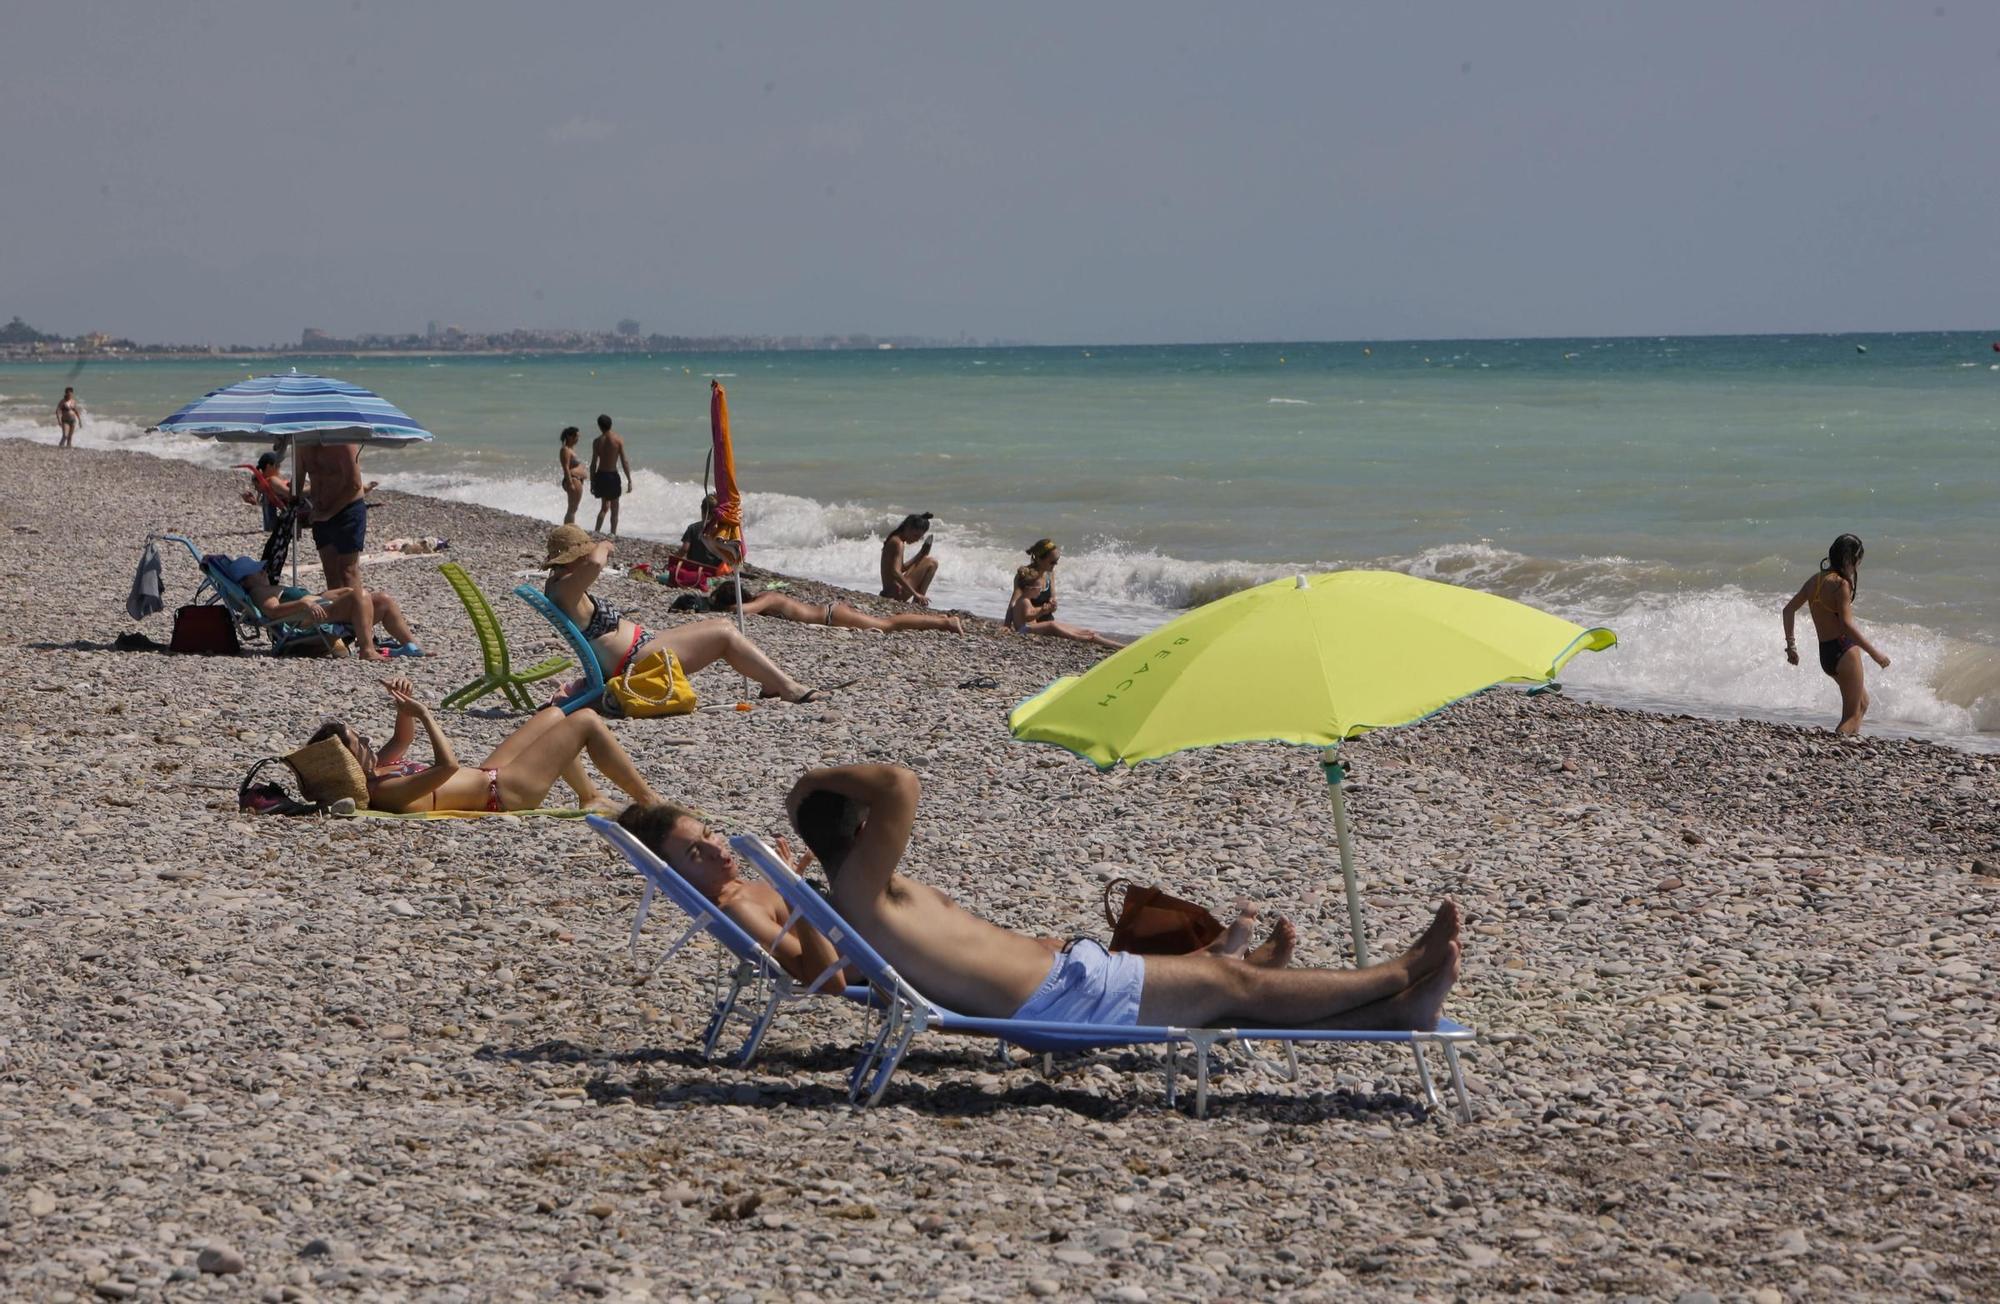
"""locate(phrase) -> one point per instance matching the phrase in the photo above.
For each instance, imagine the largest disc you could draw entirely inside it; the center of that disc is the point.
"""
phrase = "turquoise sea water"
(1676, 489)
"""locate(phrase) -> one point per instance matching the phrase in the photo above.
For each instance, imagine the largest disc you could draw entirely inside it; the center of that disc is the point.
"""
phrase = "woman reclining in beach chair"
(575, 562)
(361, 608)
(516, 776)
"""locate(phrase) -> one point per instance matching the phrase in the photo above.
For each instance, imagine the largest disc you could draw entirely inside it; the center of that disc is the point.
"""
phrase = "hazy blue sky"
(1055, 172)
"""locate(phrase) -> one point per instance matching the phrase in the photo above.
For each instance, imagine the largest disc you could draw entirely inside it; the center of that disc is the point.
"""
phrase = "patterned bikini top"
(603, 618)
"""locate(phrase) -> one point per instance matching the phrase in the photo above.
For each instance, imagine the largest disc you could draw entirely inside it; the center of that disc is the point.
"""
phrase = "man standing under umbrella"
(330, 475)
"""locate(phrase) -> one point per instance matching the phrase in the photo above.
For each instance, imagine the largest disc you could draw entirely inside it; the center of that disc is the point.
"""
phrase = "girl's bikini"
(403, 769)
(1831, 650)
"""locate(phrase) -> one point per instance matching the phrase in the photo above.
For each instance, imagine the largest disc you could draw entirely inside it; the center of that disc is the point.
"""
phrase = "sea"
(1677, 490)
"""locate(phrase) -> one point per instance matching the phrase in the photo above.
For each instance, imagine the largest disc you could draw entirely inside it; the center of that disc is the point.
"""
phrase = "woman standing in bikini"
(517, 776)
(575, 561)
(69, 415)
(1829, 596)
(571, 468)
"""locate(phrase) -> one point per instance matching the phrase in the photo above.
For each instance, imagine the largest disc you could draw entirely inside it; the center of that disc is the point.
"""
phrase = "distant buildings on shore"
(18, 340)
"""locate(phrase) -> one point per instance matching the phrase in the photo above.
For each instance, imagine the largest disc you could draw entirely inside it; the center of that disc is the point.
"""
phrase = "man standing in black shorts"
(330, 475)
(607, 456)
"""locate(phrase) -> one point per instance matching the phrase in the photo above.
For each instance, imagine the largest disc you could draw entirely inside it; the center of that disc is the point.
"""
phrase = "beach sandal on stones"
(981, 681)
(814, 694)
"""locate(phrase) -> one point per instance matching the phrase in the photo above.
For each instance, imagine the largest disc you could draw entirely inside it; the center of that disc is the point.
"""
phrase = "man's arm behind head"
(857, 819)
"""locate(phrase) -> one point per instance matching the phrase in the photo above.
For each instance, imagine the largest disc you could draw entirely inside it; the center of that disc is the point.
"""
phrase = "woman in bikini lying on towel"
(722, 598)
(517, 776)
(575, 562)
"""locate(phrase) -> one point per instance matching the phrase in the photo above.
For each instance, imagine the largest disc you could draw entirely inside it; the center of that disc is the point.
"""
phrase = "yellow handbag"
(654, 684)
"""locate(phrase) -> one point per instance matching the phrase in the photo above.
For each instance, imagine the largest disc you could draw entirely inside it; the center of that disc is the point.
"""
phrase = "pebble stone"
(227, 1039)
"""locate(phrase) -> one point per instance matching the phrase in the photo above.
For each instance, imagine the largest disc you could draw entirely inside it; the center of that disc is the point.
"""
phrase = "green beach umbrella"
(1310, 660)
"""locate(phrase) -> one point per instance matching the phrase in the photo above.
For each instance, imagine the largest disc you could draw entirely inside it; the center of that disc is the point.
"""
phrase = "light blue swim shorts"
(1088, 984)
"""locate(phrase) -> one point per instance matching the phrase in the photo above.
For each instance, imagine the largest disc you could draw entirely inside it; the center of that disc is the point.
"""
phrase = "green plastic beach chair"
(493, 646)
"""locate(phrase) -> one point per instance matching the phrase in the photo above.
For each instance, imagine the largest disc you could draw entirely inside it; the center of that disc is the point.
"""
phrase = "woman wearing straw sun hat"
(339, 762)
(575, 561)
(1031, 609)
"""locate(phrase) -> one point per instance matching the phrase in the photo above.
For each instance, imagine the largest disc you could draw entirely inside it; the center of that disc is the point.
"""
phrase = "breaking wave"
(1685, 643)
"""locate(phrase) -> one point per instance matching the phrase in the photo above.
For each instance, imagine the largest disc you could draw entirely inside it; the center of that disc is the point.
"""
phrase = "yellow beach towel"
(554, 812)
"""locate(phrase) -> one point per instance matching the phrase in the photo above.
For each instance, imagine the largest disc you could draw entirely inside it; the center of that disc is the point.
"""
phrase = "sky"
(1056, 173)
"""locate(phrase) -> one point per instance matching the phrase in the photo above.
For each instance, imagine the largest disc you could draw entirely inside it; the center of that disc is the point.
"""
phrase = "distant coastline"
(20, 342)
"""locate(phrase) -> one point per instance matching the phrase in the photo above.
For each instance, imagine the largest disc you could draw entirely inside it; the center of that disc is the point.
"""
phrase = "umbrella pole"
(1335, 772)
(295, 512)
(737, 589)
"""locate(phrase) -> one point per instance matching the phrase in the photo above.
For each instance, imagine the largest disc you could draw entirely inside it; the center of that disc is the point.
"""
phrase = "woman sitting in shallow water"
(575, 562)
(1032, 608)
(1829, 596)
(722, 597)
(517, 775)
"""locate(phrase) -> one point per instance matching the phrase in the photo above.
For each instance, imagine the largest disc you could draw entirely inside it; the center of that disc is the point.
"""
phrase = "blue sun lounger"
(285, 636)
(754, 969)
(905, 1013)
(586, 655)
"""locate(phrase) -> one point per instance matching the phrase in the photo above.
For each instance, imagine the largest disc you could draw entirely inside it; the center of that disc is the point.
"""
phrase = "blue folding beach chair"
(905, 1013)
(754, 969)
(586, 655)
(285, 636)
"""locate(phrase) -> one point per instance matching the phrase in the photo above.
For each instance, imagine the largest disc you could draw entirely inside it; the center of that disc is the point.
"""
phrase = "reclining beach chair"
(499, 676)
(905, 1012)
(754, 968)
(586, 656)
(286, 637)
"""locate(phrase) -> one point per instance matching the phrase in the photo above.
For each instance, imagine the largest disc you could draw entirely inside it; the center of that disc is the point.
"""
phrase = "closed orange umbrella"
(726, 526)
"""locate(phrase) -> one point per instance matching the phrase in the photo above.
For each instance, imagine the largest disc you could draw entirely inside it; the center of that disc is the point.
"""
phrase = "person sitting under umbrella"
(517, 775)
(575, 562)
(1032, 607)
(362, 608)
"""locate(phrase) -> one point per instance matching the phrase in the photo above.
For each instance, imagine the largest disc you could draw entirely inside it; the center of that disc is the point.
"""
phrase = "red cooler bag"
(205, 631)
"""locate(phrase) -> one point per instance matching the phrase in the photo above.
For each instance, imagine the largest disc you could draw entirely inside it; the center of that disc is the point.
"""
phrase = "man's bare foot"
(954, 624)
(1430, 951)
(1419, 1007)
(1276, 952)
(1235, 939)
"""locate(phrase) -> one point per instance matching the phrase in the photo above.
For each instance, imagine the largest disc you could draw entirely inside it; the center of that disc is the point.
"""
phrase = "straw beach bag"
(327, 772)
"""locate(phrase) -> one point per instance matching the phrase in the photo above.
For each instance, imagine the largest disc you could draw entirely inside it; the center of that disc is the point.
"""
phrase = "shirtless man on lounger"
(858, 819)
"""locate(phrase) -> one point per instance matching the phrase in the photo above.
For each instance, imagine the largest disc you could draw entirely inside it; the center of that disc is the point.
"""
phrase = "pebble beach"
(1734, 983)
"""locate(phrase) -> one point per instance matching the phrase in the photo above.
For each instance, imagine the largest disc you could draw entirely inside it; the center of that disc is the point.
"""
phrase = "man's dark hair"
(604, 424)
(828, 822)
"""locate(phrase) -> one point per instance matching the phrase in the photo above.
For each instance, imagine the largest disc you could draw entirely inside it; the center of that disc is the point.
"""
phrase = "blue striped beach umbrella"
(302, 409)
(296, 410)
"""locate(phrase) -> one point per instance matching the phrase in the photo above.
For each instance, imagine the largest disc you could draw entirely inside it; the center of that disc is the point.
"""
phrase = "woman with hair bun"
(908, 581)
(1829, 596)
(1032, 607)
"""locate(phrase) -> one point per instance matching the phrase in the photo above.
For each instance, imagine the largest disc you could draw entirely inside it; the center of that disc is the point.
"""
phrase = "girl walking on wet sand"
(1829, 596)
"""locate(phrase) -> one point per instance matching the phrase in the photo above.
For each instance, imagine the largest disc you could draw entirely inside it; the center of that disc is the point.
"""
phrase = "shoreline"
(1732, 979)
(1945, 693)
